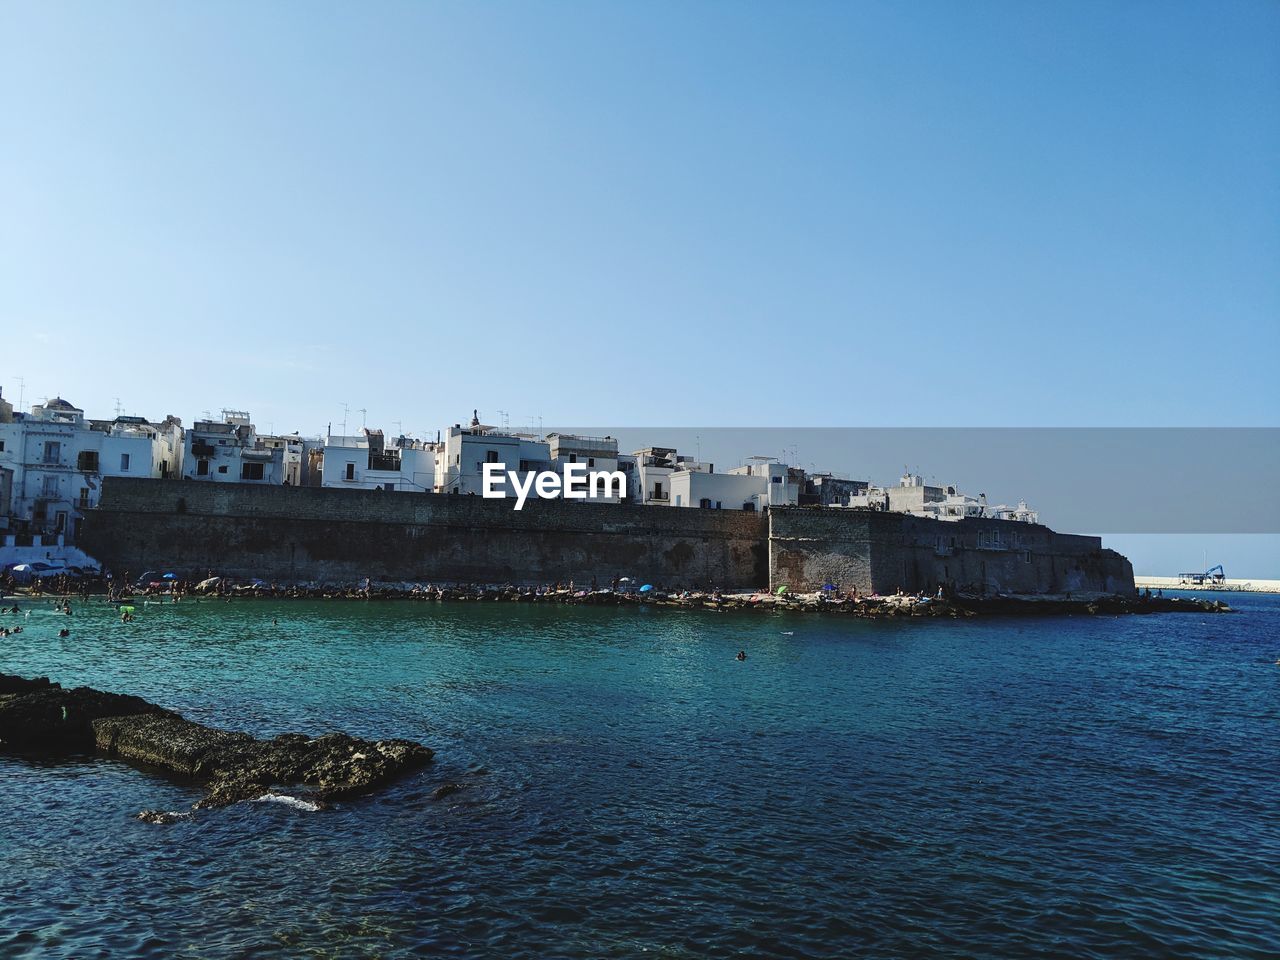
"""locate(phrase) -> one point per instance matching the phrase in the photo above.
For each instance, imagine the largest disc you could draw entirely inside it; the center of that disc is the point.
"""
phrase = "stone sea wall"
(333, 535)
(307, 533)
(883, 552)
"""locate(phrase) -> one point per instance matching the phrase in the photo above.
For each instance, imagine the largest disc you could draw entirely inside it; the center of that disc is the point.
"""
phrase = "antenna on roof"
(119, 409)
(345, 410)
(505, 417)
(22, 390)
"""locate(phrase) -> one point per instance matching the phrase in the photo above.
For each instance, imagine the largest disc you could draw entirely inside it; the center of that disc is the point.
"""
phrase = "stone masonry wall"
(881, 552)
(303, 533)
(331, 535)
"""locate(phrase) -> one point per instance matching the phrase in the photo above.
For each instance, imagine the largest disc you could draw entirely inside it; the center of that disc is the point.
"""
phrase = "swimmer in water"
(742, 655)
(64, 633)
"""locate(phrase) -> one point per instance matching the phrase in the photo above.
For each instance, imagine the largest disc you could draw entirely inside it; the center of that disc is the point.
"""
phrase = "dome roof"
(57, 403)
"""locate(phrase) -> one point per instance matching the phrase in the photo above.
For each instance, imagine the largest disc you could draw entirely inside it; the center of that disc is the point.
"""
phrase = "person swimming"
(742, 655)
(64, 632)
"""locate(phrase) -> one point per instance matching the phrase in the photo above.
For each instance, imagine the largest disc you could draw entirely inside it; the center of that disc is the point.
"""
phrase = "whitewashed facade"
(598, 453)
(52, 461)
(718, 491)
(231, 451)
(368, 462)
(782, 482)
(465, 450)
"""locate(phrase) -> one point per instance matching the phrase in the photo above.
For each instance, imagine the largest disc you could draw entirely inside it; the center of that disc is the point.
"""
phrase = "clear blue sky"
(813, 214)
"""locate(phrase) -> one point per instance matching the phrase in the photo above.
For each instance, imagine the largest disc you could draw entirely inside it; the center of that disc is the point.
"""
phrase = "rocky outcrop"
(39, 716)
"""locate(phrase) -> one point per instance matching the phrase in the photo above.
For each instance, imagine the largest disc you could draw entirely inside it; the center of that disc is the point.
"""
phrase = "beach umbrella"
(170, 576)
(828, 586)
(781, 590)
(646, 588)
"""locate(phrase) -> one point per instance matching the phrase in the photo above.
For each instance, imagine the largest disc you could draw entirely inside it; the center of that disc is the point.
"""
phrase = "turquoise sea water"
(1087, 787)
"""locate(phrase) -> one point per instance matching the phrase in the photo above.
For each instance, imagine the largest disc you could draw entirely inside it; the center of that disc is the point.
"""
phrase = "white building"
(52, 462)
(292, 464)
(912, 495)
(718, 491)
(1021, 513)
(230, 451)
(782, 483)
(648, 474)
(465, 451)
(368, 462)
(598, 453)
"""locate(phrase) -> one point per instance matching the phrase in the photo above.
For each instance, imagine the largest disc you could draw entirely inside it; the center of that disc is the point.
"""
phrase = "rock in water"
(445, 790)
(36, 715)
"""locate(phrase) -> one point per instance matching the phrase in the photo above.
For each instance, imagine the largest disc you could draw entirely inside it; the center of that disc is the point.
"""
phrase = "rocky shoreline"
(40, 717)
(825, 602)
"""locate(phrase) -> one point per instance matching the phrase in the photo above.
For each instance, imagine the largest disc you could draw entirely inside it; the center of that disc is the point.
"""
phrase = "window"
(251, 471)
(573, 458)
(1, 446)
(124, 463)
(223, 468)
(87, 461)
(389, 487)
(657, 491)
(52, 452)
(50, 487)
(775, 479)
(351, 472)
(84, 496)
(491, 456)
(591, 463)
(705, 503)
(202, 468)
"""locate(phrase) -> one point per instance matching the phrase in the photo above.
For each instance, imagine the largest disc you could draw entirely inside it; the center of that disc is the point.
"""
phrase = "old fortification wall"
(307, 533)
(882, 552)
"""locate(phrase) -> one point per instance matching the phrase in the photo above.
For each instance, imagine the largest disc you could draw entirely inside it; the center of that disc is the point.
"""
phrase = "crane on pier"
(1212, 575)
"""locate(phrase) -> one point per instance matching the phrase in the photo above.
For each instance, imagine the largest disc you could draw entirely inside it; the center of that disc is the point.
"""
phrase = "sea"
(1067, 786)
